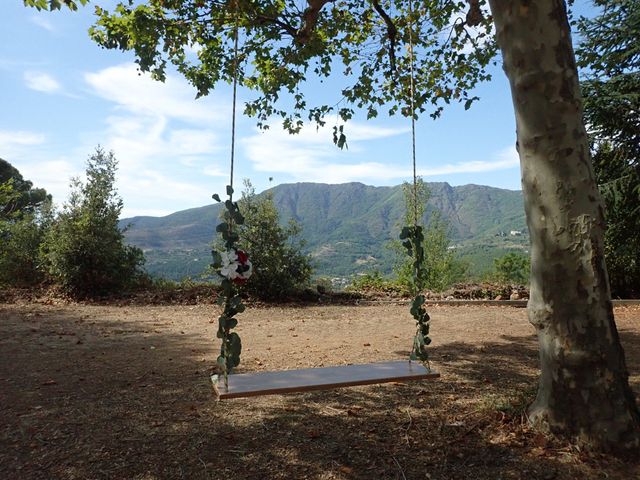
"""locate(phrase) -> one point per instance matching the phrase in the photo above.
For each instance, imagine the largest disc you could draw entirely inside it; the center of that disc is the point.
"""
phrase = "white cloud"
(54, 175)
(506, 158)
(42, 22)
(138, 93)
(41, 82)
(11, 138)
(311, 156)
(214, 171)
(14, 142)
(160, 134)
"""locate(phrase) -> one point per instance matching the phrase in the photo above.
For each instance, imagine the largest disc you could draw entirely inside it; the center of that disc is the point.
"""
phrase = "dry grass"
(106, 392)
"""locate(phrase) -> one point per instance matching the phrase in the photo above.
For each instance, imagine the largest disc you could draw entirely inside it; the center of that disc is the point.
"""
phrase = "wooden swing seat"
(326, 378)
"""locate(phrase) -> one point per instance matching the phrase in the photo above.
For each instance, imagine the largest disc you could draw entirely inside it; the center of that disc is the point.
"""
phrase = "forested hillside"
(347, 227)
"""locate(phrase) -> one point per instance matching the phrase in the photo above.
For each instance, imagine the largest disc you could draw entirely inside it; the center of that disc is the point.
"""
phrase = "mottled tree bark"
(584, 390)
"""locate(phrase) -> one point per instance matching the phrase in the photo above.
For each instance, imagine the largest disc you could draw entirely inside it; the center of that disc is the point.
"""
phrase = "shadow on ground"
(137, 403)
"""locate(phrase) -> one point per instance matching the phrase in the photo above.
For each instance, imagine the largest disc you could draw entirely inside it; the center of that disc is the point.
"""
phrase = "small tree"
(512, 268)
(24, 218)
(280, 267)
(18, 198)
(441, 268)
(85, 248)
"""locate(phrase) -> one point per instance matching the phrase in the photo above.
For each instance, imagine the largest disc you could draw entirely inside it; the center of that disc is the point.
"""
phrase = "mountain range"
(346, 227)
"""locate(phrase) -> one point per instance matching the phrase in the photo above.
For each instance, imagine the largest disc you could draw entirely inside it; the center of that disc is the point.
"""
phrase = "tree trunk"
(584, 391)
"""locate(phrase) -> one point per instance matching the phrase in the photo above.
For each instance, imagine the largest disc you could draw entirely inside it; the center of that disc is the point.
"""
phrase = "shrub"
(280, 266)
(85, 248)
(512, 268)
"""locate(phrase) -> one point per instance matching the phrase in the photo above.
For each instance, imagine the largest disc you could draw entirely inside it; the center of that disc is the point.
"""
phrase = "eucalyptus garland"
(413, 240)
(234, 268)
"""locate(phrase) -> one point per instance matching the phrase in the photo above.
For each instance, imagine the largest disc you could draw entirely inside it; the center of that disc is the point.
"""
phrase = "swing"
(325, 378)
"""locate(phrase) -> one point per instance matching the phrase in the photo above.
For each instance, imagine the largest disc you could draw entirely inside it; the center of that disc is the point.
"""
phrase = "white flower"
(230, 264)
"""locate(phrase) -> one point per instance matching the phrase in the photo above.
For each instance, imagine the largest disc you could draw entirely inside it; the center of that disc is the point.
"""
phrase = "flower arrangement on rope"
(235, 268)
(413, 240)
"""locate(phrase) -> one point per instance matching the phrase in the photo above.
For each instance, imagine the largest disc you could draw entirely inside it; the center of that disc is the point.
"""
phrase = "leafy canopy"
(282, 45)
(17, 195)
(610, 60)
(55, 4)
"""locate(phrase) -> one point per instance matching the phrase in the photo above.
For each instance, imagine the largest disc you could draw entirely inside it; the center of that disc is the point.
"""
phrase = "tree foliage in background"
(25, 214)
(18, 197)
(54, 4)
(512, 268)
(610, 61)
(85, 249)
(280, 266)
(283, 45)
(441, 268)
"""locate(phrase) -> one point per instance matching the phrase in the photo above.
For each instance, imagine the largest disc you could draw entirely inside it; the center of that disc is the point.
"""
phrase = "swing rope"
(225, 335)
(414, 237)
(413, 116)
(235, 94)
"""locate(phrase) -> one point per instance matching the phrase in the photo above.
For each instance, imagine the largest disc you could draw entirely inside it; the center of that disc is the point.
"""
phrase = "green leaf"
(234, 361)
(238, 218)
(220, 361)
(217, 259)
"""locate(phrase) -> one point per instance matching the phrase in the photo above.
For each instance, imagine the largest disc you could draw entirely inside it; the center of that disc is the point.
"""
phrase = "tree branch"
(474, 15)
(286, 28)
(392, 33)
(309, 20)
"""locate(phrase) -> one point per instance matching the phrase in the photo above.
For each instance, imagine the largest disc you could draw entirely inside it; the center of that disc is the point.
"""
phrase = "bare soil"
(123, 392)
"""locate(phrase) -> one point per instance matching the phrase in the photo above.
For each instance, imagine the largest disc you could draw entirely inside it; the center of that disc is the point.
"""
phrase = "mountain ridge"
(345, 226)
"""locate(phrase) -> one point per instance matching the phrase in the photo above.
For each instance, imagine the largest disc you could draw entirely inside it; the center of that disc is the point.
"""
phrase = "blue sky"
(62, 95)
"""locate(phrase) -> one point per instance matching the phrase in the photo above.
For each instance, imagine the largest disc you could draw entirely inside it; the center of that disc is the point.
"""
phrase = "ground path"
(122, 392)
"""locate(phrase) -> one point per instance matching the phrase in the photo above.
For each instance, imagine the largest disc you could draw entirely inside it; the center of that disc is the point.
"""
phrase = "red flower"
(242, 256)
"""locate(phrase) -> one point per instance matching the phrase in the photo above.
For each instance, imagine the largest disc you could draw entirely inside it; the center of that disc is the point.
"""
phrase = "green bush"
(85, 249)
(280, 267)
(512, 268)
(376, 283)
(24, 219)
(20, 260)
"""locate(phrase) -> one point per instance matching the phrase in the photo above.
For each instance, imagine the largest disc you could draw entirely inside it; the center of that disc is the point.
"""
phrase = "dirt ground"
(123, 392)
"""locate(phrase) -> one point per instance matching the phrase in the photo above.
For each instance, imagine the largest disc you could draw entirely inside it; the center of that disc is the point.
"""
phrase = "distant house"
(515, 233)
